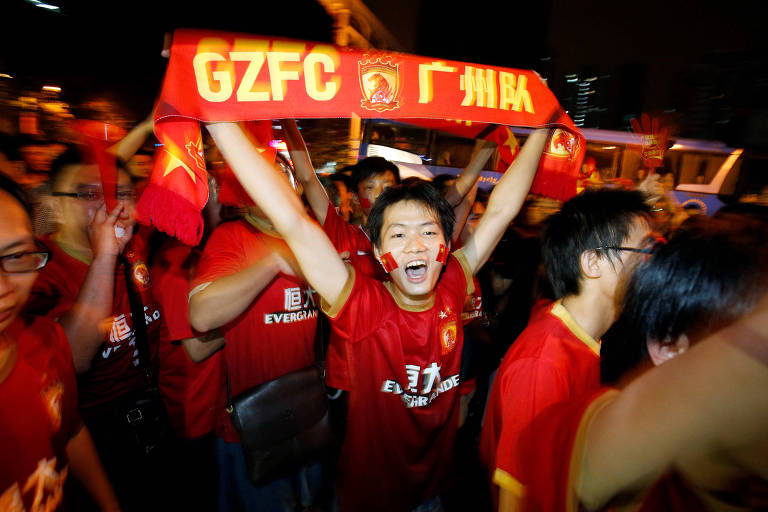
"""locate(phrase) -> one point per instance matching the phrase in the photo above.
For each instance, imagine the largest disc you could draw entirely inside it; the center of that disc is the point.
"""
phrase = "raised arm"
(133, 140)
(323, 268)
(224, 299)
(84, 323)
(305, 172)
(461, 211)
(480, 154)
(506, 200)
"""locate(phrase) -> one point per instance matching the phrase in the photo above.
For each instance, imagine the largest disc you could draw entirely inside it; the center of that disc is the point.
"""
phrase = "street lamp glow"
(52, 88)
(44, 5)
(3, 75)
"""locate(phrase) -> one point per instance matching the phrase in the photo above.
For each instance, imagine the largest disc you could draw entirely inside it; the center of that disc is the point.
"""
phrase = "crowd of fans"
(482, 351)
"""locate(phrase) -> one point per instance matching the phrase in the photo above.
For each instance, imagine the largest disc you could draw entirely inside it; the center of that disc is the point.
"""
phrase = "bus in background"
(704, 175)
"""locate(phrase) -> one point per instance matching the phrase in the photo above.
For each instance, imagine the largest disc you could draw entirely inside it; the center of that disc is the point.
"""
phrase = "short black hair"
(9, 146)
(711, 272)
(440, 181)
(593, 219)
(74, 154)
(15, 190)
(410, 189)
(372, 166)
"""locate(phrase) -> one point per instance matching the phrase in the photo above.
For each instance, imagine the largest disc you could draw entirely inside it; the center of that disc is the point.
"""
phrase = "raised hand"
(653, 140)
(107, 234)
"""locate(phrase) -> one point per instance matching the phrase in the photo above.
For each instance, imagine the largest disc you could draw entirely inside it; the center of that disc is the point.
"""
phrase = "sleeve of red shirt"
(343, 235)
(361, 302)
(550, 449)
(528, 387)
(71, 421)
(226, 253)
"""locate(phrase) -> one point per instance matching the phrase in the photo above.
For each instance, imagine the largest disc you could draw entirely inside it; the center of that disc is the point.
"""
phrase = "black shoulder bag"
(143, 413)
(284, 424)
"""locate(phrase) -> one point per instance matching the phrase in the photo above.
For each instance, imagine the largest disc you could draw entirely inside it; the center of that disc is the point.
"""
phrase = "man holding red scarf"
(403, 411)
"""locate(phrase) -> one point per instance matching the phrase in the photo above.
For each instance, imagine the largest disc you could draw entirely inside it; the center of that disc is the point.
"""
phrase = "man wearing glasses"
(588, 248)
(85, 288)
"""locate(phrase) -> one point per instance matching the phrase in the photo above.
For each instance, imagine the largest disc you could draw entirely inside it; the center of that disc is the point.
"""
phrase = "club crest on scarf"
(562, 144)
(380, 84)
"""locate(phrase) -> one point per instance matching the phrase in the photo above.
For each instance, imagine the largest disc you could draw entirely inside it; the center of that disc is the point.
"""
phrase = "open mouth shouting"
(416, 270)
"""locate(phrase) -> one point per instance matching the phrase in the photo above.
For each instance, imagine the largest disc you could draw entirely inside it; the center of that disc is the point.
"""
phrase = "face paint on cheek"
(388, 262)
(365, 203)
(442, 254)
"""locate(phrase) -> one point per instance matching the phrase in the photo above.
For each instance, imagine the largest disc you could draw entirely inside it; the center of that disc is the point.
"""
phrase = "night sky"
(659, 55)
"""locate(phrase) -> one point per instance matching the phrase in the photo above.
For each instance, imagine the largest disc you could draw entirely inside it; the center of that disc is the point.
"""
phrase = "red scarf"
(221, 76)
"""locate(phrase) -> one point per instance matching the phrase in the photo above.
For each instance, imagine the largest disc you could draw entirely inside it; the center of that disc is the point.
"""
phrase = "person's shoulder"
(231, 230)
(41, 333)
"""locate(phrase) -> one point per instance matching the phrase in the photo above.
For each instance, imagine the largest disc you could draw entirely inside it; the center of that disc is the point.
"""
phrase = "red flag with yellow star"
(178, 187)
(508, 147)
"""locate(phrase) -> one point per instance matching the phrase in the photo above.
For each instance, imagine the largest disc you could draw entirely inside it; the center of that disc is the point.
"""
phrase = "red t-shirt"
(276, 334)
(347, 238)
(190, 390)
(403, 402)
(552, 360)
(551, 449)
(38, 415)
(113, 369)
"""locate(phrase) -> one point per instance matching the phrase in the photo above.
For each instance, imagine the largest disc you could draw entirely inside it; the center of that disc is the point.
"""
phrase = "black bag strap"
(138, 322)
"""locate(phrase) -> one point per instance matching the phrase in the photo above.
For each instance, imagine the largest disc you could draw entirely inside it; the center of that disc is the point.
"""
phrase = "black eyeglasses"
(95, 194)
(21, 262)
(657, 242)
(647, 250)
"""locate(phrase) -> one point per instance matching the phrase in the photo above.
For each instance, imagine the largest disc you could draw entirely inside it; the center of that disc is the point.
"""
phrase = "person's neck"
(75, 245)
(591, 312)
(413, 302)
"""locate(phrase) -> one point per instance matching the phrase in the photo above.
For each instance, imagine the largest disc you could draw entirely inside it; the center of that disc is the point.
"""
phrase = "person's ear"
(589, 261)
(54, 204)
(661, 352)
(377, 253)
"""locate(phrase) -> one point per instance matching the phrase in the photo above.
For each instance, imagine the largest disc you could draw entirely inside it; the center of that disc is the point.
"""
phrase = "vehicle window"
(607, 158)
(407, 138)
(698, 167)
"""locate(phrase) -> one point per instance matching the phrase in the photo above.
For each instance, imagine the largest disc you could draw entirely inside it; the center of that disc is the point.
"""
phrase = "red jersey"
(552, 360)
(276, 334)
(113, 369)
(403, 403)
(352, 239)
(38, 414)
(551, 449)
(190, 390)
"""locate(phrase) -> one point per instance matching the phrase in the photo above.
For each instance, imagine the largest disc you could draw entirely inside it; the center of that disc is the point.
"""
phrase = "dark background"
(702, 67)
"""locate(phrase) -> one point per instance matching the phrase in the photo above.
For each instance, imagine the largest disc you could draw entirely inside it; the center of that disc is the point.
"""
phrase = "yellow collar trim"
(560, 312)
(262, 225)
(76, 254)
(389, 285)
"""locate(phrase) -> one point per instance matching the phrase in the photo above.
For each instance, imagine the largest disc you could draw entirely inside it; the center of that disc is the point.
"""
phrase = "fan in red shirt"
(43, 437)
(370, 177)
(403, 337)
(85, 289)
(588, 247)
(691, 433)
(248, 284)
